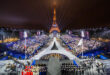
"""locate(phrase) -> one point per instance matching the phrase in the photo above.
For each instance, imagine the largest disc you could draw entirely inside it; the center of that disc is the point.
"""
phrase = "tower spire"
(54, 16)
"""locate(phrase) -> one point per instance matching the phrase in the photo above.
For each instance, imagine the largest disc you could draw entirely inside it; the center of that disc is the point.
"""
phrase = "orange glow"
(54, 29)
(9, 40)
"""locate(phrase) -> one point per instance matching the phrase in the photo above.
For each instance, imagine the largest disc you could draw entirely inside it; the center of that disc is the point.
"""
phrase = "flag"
(70, 32)
(21, 34)
(87, 34)
(82, 34)
(38, 32)
(25, 34)
(80, 42)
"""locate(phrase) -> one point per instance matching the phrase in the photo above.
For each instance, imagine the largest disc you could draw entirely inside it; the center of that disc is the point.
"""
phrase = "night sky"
(71, 14)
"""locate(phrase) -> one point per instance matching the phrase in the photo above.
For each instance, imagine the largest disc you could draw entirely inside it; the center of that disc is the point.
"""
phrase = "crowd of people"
(71, 69)
(29, 46)
(74, 41)
(86, 67)
(14, 68)
(55, 55)
(11, 67)
(93, 67)
(38, 69)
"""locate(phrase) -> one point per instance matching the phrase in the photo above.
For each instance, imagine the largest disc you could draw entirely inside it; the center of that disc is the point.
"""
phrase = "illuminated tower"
(54, 28)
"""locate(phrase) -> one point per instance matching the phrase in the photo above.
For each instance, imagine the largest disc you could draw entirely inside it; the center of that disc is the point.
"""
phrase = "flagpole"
(82, 47)
(82, 34)
(25, 48)
(25, 36)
